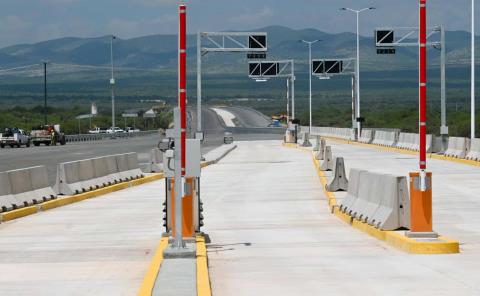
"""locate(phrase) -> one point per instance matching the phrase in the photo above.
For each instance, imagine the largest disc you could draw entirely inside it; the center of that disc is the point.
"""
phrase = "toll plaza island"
(271, 210)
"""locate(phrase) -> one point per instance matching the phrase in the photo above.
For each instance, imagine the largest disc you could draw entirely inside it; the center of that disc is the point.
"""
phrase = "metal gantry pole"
(199, 82)
(473, 74)
(443, 88)
(293, 90)
(423, 92)
(353, 102)
(310, 85)
(288, 100)
(45, 93)
(357, 84)
(112, 84)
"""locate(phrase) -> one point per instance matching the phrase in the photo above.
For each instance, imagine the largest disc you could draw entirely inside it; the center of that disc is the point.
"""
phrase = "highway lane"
(16, 158)
(50, 156)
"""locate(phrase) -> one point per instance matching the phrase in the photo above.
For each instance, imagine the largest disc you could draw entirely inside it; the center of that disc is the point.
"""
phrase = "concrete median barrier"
(385, 138)
(7, 200)
(411, 141)
(318, 139)
(320, 155)
(306, 140)
(327, 164)
(366, 136)
(339, 182)
(352, 192)
(156, 159)
(24, 187)
(457, 147)
(474, 152)
(90, 174)
(380, 200)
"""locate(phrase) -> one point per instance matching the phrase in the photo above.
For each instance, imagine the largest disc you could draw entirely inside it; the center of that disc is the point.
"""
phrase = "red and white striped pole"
(182, 78)
(423, 92)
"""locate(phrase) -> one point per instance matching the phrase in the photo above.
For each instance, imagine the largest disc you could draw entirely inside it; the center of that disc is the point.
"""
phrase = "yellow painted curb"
(148, 283)
(203, 278)
(396, 239)
(66, 200)
(19, 213)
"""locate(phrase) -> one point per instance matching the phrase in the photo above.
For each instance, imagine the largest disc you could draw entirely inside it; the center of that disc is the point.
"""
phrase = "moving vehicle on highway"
(14, 137)
(48, 135)
(98, 130)
(132, 130)
(115, 130)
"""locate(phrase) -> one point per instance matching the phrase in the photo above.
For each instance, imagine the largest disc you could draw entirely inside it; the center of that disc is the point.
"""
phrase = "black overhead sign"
(384, 37)
(327, 66)
(257, 41)
(264, 69)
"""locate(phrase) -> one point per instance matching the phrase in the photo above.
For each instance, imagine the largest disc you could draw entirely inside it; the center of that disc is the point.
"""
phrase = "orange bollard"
(420, 205)
(188, 227)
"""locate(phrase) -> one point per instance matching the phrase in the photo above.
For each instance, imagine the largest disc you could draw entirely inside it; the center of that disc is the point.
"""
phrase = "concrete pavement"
(101, 246)
(272, 233)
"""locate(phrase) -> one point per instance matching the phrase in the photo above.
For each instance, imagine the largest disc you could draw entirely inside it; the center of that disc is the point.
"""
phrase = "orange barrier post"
(188, 227)
(420, 204)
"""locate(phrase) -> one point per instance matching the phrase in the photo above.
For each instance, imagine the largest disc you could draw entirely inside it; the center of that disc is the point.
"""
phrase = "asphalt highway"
(249, 119)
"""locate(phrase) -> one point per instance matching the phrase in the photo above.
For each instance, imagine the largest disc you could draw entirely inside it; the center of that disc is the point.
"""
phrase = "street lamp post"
(357, 12)
(112, 83)
(310, 78)
(473, 74)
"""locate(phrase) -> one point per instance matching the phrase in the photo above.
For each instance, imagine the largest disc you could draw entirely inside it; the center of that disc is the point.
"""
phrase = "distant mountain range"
(159, 51)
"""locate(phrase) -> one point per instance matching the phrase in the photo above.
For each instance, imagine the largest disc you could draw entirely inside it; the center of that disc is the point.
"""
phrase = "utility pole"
(112, 83)
(45, 111)
(357, 84)
(310, 78)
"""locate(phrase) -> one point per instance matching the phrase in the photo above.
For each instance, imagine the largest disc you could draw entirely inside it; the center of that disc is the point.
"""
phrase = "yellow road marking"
(148, 283)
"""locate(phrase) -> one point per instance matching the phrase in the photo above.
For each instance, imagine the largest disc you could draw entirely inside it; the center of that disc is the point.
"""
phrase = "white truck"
(14, 137)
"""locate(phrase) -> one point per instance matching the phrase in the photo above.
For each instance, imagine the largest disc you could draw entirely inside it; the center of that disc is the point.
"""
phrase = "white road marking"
(227, 116)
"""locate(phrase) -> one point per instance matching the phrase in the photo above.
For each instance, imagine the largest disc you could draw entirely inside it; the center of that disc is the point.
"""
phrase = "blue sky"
(28, 21)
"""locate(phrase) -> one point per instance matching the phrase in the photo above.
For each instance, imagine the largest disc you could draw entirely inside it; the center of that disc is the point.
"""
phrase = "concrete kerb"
(396, 239)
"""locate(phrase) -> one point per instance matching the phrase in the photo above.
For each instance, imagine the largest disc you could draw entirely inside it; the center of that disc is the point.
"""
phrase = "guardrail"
(98, 137)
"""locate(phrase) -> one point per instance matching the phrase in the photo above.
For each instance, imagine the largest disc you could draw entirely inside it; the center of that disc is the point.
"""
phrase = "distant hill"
(159, 51)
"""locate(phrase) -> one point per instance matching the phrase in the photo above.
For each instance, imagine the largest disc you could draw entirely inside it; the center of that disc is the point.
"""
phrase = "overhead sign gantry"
(254, 44)
(328, 68)
(387, 39)
(264, 70)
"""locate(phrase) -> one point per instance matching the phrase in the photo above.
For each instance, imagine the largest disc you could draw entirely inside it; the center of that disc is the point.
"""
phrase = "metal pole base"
(189, 250)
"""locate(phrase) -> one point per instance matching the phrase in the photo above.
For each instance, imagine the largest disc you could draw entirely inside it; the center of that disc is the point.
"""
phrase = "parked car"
(115, 130)
(14, 137)
(98, 130)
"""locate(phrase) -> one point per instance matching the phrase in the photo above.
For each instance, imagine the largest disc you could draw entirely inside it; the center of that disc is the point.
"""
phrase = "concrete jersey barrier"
(474, 152)
(457, 147)
(411, 141)
(89, 174)
(366, 136)
(24, 187)
(385, 138)
(156, 159)
(380, 200)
